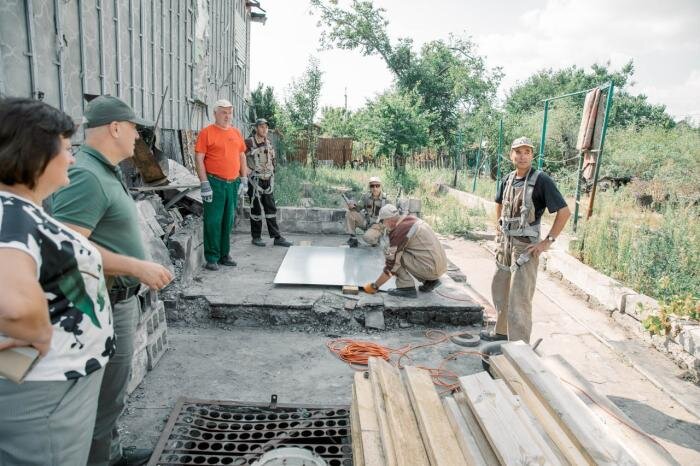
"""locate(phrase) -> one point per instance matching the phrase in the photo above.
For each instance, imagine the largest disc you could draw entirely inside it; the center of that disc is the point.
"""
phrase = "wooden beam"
(405, 436)
(358, 456)
(584, 429)
(382, 419)
(512, 441)
(368, 425)
(624, 428)
(439, 439)
(505, 370)
(465, 438)
(481, 441)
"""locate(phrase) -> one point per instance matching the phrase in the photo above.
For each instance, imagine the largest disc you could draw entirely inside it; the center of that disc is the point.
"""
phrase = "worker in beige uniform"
(366, 215)
(520, 203)
(414, 252)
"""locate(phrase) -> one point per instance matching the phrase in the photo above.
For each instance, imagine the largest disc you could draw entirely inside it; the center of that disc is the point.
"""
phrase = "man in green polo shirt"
(98, 205)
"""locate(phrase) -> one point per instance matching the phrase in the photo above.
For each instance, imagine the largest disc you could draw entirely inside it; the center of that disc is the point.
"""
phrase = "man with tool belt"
(520, 203)
(260, 157)
(367, 215)
(221, 168)
(98, 205)
(414, 251)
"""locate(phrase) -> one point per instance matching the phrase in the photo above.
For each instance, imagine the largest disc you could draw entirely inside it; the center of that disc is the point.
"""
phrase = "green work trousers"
(218, 218)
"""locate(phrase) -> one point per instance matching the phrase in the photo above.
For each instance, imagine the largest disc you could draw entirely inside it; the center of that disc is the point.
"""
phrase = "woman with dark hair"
(54, 297)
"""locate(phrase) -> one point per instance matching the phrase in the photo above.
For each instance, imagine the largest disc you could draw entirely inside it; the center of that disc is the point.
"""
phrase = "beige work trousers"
(423, 265)
(512, 292)
(354, 220)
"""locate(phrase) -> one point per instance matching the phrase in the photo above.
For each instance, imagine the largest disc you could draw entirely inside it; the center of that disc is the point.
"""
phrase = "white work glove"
(243, 187)
(207, 193)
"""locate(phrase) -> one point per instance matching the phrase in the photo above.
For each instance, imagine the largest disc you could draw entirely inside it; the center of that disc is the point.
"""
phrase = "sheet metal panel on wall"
(59, 50)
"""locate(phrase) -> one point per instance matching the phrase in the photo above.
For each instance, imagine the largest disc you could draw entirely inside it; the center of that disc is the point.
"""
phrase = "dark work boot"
(487, 335)
(353, 243)
(429, 285)
(280, 241)
(211, 266)
(408, 292)
(132, 456)
(227, 261)
(258, 242)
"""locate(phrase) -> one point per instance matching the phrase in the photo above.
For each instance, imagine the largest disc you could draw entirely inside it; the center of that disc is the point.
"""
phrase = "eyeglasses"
(375, 186)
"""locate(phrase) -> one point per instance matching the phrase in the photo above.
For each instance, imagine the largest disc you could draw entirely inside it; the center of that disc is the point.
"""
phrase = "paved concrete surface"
(607, 356)
(210, 360)
(251, 282)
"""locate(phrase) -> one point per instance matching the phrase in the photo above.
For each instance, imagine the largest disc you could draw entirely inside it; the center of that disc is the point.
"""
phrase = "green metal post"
(478, 161)
(578, 189)
(608, 104)
(540, 157)
(499, 154)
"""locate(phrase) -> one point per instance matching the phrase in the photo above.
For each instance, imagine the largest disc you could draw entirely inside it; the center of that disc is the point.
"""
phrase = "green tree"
(449, 76)
(337, 122)
(398, 125)
(264, 105)
(627, 109)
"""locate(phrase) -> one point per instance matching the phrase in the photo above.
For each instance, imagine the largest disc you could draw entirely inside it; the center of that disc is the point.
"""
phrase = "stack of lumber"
(536, 411)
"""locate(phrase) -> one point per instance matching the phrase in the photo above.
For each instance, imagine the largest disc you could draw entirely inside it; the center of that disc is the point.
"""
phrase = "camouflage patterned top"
(69, 270)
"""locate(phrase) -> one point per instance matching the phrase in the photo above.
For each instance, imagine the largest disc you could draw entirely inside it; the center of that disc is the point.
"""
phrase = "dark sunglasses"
(375, 186)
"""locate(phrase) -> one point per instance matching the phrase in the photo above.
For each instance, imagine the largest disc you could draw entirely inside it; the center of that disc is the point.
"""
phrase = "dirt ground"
(212, 360)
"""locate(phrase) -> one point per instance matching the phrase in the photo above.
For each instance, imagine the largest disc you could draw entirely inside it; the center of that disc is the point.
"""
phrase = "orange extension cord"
(357, 353)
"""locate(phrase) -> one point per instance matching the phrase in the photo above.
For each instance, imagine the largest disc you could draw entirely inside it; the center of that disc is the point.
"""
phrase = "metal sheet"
(317, 265)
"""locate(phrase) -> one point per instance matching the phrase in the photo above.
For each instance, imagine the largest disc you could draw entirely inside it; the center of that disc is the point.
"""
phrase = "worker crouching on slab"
(366, 215)
(221, 167)
(414, 251)
(520, 203)
(260, 157)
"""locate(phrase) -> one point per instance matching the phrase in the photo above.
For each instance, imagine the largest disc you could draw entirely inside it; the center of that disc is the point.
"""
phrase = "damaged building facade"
(180, 55)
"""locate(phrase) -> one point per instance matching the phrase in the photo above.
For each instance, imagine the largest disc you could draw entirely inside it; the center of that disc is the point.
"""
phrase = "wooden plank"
(582, 427)
(439, 439)
(531, 422)
(465, 438)
(474, 427)
(403, 427)
(505, 370)
(382, 419)
(512, 441)
(351, 289)
(368, 425)
(358, 456)
(641, 447)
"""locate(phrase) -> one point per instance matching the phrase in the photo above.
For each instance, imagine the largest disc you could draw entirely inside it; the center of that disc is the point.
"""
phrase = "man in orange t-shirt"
(222, 170)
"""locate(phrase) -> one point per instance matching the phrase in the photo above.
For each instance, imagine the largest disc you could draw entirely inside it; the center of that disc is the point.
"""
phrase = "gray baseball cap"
(105, 109)
(260, 121)
(522, 141)
(388, 211)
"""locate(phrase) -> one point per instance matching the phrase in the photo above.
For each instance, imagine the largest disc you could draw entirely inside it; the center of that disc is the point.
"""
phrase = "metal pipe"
(59, 52)
(162, 48)
(2, 75)
(143, 59)
(132, 69)
(153, 60)
(499, 154)
(172, 61)
(478, 158)
(117, 44)
(81, 45)
(577, 202)
(100, 46)
(28, 17)
(179, 65)
(608, 105)
(540, 157)
(568, 95)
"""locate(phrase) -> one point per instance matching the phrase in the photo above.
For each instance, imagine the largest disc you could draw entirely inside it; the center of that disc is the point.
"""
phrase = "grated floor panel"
(209, 432)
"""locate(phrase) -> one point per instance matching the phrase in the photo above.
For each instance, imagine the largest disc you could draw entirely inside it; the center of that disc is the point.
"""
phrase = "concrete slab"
(251, 286)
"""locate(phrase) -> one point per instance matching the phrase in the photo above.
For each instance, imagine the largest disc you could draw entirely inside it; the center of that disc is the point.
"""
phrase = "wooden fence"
(335, 150)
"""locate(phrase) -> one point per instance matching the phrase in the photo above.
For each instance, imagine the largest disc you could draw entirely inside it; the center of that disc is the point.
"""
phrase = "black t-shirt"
(544, 194)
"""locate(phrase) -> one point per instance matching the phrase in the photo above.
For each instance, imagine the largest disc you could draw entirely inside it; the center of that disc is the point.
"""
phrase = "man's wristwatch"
(551, 238)
(374, 285)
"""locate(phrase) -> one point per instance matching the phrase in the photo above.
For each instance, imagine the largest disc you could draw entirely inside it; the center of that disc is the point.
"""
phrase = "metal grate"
(212, 432)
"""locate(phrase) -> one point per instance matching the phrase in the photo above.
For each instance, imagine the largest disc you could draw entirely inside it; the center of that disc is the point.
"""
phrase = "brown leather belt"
(117, 295)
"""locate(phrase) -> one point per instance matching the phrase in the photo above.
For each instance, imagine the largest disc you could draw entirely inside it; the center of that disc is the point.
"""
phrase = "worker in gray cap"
(260, 157)
(365, 215)
(520, 203)
(222, 171)
(414, 252)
